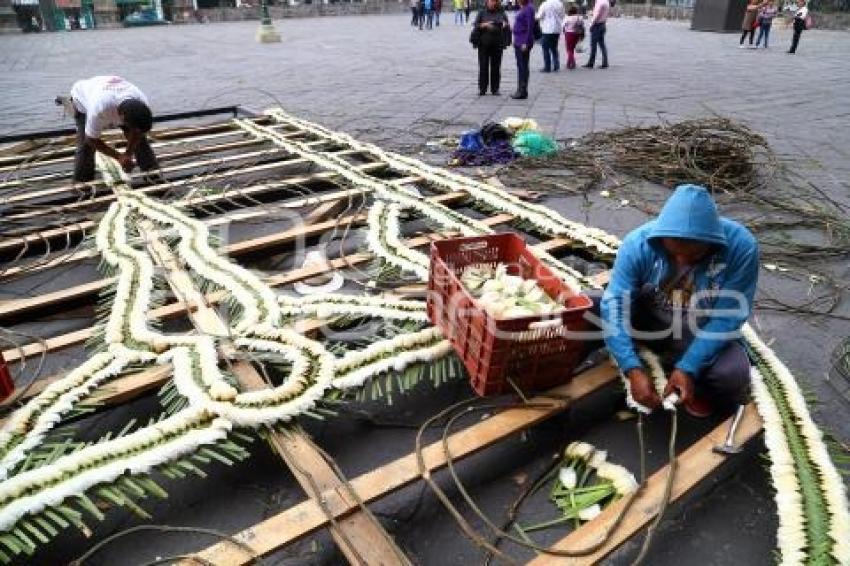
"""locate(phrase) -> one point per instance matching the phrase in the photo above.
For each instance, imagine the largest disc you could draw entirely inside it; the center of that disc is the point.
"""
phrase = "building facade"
(66, 15)
(59, 15)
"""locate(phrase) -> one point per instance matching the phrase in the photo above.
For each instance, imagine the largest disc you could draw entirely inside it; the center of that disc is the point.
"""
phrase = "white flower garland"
(383, 240)
(330, 305)
(659, 380)
(783, 471)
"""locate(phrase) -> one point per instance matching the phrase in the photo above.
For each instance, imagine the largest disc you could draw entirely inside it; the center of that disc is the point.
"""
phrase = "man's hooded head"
(688, 227)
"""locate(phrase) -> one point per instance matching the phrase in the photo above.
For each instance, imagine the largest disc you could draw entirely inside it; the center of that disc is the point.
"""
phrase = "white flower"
(567, 477)
(590, 513)
(579, 449)
(598, 458)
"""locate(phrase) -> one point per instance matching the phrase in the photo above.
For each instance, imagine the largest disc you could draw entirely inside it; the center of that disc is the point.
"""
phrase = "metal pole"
(266, 32)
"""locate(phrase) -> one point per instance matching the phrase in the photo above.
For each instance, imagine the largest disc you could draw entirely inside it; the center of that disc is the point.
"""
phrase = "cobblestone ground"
(378, 78)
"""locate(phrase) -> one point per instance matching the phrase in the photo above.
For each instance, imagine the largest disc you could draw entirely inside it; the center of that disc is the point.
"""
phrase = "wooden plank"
(696, 463)
(307, 517)
(360, 537)
(328, 209)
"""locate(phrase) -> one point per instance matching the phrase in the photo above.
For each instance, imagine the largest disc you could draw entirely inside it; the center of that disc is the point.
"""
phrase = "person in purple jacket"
(523, 42)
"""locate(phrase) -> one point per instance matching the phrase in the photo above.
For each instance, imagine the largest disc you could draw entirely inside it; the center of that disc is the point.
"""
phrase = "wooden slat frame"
(159, 138)
(75, 229)
(18, 307)
(162, 187)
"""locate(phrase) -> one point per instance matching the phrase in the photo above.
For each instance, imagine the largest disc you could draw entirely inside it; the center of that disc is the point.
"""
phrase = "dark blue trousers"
(522, 69)
(597, 39)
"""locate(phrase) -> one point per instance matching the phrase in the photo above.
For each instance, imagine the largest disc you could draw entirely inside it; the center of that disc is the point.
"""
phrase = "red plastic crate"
(7, 386)
(534, 351)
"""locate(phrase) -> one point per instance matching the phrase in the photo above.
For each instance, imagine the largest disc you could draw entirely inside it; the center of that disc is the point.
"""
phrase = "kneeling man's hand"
(681, 383)
(126, 162)
(643, 390)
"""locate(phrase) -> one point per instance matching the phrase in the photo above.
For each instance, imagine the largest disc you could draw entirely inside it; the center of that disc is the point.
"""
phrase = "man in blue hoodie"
(683, 285)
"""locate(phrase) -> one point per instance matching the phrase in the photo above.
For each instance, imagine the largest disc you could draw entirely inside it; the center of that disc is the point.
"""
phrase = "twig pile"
(715, 152)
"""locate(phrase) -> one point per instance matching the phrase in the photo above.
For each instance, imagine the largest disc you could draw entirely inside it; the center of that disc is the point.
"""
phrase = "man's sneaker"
(699, 407)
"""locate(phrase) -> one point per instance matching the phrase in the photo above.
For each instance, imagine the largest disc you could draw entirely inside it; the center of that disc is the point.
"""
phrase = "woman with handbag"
(748, 25)
(573, 33)
(491, 33)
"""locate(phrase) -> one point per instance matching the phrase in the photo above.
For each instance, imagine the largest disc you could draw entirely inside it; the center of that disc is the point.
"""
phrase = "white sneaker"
(742, 46)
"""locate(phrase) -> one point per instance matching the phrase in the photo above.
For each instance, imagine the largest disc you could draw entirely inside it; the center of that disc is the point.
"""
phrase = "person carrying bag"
(491, 34)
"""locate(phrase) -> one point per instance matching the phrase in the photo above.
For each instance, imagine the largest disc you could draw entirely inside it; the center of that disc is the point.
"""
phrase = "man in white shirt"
(106, 102)
(551, 16)
(601, 8)
(801, 22)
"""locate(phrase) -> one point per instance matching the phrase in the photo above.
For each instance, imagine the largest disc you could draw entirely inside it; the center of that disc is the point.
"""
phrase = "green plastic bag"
(532, 143)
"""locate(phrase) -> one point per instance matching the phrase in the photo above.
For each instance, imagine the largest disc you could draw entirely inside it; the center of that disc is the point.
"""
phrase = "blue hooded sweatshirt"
(690, 213)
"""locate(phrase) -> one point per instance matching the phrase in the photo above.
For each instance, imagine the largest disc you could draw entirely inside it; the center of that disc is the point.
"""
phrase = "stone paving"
(378, 78)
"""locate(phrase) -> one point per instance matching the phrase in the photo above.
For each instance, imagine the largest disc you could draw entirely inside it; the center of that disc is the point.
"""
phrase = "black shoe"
(588, 66)
(545, 70)
(495, 93)
(482, 92)
(603, 66)
(519, 95)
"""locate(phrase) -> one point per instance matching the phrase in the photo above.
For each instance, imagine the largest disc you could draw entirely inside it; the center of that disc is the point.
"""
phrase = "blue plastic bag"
(471, 141)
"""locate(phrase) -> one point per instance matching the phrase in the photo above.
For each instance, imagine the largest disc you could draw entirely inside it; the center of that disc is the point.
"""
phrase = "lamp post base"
(267, 33)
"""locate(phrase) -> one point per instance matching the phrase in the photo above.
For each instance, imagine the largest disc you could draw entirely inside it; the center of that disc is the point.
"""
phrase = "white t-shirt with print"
(99, 97)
